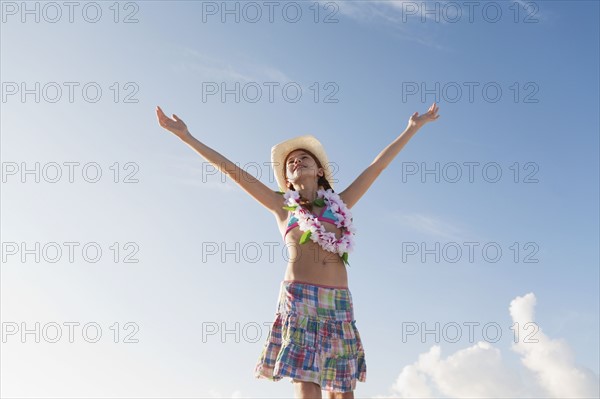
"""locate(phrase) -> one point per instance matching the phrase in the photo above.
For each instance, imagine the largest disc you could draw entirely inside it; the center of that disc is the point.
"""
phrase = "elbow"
(378, 167)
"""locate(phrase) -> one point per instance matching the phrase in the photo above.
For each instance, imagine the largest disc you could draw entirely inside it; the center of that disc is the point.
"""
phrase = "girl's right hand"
(175, 125)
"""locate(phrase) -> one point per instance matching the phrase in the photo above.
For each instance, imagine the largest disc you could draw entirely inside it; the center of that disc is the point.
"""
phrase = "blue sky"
(166, 201)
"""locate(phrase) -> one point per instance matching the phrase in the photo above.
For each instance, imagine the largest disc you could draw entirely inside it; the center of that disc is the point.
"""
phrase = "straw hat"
(280, 151)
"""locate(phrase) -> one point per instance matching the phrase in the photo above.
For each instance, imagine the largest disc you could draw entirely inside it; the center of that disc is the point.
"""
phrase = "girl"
(314, 339)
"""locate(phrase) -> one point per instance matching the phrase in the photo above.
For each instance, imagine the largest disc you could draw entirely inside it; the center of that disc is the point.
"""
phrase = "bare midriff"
(309, 262)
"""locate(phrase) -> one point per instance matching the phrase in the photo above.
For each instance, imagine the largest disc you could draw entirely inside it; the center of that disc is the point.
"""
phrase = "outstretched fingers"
(163, 120)
(433, 110)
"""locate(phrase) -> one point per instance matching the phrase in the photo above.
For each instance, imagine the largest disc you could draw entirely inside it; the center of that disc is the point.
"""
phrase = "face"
(299, 165)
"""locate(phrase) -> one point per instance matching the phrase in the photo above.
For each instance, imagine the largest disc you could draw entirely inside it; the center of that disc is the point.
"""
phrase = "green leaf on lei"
(345, 258)
(305, 237)
(319, 202)
(290, 208)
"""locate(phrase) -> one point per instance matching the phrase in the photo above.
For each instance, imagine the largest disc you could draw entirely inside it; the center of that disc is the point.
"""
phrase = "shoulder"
(342, 198)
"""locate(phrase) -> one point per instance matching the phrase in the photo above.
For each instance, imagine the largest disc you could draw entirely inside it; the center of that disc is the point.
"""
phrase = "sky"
(131, 268)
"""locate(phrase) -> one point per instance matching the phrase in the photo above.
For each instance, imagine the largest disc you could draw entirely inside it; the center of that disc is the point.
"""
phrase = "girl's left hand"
(419, 120)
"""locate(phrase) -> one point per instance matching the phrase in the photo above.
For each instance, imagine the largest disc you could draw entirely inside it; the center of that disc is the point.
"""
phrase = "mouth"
(298, 167)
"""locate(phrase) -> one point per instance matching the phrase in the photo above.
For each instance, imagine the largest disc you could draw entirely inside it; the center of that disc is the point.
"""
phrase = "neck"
(307, 190)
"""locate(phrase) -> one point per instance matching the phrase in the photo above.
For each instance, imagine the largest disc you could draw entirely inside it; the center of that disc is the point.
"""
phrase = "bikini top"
(326, 215)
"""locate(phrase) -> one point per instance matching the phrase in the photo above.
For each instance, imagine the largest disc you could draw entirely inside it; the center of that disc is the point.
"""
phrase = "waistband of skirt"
(315, 301)
(316, 285)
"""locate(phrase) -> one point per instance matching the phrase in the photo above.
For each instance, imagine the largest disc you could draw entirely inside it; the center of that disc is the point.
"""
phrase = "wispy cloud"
(392, 15)
(208, 185)
(196, 173)
(413, 20)
(410, 9)
(530, 10)
(431, 225)
(479, 371)
(207, 67)
(440, 11)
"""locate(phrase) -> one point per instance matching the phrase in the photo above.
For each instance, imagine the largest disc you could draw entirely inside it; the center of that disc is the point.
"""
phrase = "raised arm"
(260, 192)
(361, 184)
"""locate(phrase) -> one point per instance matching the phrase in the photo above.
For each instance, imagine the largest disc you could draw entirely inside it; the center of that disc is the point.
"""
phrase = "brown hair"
(322, 182)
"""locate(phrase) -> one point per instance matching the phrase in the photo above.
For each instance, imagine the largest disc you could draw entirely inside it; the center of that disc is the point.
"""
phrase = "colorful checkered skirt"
(314, 338)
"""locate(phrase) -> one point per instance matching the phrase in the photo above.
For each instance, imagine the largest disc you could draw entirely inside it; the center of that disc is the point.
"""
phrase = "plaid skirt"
(314, 338)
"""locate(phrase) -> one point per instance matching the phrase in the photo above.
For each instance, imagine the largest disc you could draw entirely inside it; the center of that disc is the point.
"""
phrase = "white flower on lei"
(307, 222)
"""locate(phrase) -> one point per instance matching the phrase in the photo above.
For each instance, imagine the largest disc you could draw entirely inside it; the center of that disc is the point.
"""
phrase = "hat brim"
(280, 151)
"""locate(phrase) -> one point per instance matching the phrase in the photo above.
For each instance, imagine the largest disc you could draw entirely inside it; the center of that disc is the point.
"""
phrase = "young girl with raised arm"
(314, 339)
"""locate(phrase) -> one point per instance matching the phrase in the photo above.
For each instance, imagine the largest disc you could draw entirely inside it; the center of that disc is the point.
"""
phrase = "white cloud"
(474, 372)
(412, 383)
(479, 371)
(551, 360)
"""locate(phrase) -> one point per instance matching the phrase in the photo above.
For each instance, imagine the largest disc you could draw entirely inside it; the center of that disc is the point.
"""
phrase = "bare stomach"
(310, 263)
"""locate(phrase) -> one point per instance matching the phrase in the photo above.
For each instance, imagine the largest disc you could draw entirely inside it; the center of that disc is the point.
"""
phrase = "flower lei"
(315, 231)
